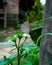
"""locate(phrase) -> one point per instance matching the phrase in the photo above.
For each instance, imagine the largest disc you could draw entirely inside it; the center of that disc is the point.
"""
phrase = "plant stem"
(18, 57)
(18, 52)
(24, 41)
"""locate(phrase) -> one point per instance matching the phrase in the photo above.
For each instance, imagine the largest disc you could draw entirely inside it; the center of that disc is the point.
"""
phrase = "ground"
(4, 37)
(5, 34)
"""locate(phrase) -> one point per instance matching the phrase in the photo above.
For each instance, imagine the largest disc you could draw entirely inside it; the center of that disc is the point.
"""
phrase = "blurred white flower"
(17, 41)
(43, 2)
(22, 40)
(26, 35)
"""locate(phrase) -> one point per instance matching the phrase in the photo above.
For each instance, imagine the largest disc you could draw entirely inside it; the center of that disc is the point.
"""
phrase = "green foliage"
(29, 54)
(36, 14)
(35, 33)
(9, 60)
(19, 35)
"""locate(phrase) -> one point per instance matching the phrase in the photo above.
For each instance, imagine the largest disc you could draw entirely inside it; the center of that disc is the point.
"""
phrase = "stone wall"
(12, 6)
(12, 10)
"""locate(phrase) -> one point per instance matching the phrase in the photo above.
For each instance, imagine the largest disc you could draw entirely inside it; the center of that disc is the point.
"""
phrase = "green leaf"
(25, 62)
(6, 61)
(27, 49)
(39, 39)
(14, 38)
(49, 34)
(19, 34)
(11, 59)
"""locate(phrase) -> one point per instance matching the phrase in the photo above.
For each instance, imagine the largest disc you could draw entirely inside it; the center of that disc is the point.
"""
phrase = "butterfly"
(25, 27)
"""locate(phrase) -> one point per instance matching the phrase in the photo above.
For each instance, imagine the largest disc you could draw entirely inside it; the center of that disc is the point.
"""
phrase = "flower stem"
(18, 57)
